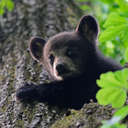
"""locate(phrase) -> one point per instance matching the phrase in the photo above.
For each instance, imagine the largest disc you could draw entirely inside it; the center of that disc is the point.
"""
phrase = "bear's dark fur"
(74, 62)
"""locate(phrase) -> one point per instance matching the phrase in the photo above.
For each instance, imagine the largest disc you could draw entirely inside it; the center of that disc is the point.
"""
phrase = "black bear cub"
(74, 63)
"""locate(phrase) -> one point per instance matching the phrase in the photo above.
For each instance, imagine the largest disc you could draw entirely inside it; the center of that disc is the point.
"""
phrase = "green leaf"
(84, 7)
(10, 5)
(112, 32)
(122, 76)
(2, 4)
(116, 26)
(114, 96)
(122, 113)
(123, 5)
(114, 88)
(115, 79)
(1, 11)
(114, 19)
(108, 1)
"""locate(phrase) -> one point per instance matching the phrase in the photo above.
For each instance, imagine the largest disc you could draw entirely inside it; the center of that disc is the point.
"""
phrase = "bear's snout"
(61, 69)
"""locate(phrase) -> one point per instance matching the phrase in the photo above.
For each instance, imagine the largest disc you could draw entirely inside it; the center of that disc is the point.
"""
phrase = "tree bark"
(42, 18)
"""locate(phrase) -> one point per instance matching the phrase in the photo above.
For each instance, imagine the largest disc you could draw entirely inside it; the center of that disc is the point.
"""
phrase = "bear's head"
(65, 55)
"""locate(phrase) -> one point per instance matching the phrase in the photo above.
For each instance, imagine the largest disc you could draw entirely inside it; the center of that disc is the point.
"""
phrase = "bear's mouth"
(64, 75)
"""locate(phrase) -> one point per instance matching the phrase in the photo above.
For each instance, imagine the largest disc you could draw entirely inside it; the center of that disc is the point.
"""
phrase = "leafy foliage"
(83, 5)
(6, 4)
(113, 18)
(114, 43)
(116, 26)
(115, 30)
(114, 88)
(122, 113)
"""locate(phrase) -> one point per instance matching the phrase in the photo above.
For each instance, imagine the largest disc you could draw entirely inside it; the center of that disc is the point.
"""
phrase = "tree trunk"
(42, 18)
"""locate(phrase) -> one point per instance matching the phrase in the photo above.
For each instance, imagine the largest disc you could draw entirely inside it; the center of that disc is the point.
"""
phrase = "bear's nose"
(61, 69)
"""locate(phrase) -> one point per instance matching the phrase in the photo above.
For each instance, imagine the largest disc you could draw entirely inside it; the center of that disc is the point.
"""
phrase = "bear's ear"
(36, 48)
(88, 27)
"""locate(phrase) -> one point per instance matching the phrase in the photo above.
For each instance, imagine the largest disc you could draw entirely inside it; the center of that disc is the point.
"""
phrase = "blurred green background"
(112, 16)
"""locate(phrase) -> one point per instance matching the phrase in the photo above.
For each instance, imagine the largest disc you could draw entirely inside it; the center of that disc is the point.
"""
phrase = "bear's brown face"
(65, 55)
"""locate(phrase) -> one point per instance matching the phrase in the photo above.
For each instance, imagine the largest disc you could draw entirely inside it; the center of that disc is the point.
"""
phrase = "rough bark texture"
(36, 17)
(90, 116)
(41, 18)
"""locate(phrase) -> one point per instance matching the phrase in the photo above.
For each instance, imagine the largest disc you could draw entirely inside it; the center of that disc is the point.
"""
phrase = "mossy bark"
(42, 18)
(90, 116)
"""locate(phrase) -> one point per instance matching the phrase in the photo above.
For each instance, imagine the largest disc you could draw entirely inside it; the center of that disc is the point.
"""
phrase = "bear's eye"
(51, 58)
(70, 53)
